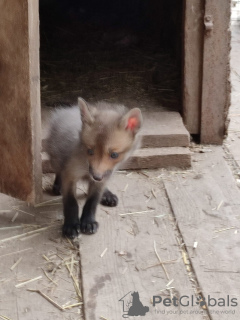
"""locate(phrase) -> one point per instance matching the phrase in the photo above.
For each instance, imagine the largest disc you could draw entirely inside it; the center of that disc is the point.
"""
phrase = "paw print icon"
(201, 301)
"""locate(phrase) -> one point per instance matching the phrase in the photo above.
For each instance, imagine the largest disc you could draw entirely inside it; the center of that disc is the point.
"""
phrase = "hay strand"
(73, 305)
(27, 282)
(16, 264)
(42, 204)
(15, 216)
(15, 252)
(103, 253)
(136, 212)
(25, 234)
(4, 317)
(75, 283)
(48, 299)
(160, 260)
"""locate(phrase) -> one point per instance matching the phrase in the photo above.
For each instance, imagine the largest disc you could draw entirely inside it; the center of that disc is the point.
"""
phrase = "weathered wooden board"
(232, 140)
(192, 65)
(164, 129)
(108, 278)
(148, 158)
(19, 303)
(152, 158)
(20, 139)
(206, 205)
(216, 71)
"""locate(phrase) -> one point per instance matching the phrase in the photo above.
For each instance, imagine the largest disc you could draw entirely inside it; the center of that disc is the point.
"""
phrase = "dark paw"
(88, 227)
(71, 230)
(109, 199)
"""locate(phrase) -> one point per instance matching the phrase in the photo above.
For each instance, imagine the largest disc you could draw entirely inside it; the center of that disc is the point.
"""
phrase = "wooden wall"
(206, 88)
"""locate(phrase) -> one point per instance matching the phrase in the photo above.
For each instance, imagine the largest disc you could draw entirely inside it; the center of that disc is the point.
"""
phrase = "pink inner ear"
(132, 123)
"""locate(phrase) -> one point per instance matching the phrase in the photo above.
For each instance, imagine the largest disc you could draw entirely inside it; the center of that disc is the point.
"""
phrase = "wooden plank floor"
(19, 303)
(206, 205)
(128, 244)
(203, 200)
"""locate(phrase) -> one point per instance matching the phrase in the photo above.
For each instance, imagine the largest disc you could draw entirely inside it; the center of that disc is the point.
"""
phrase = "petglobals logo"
(187, 301)
(132, 306)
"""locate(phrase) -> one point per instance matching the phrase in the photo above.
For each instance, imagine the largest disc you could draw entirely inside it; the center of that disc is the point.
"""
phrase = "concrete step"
(146, 158)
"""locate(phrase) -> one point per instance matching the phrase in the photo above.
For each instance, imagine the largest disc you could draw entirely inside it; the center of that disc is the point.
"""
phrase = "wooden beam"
(192, 65)
(216, 70)
(20, 121)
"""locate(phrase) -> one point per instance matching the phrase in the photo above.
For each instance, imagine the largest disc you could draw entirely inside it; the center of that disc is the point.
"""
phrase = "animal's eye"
(90, 152)
(114, 155)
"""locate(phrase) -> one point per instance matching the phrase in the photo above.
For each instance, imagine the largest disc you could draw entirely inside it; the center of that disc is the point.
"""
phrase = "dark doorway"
(125, 51)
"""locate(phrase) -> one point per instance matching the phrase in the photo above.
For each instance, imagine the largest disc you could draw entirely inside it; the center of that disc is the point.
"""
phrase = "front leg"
(88, 224)
(57, 185)
(71, 226)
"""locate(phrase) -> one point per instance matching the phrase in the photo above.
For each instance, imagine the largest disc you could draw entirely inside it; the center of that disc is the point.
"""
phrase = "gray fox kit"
(89, 142)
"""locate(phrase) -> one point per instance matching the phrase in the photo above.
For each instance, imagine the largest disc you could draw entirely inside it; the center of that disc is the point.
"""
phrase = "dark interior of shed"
(125, 51)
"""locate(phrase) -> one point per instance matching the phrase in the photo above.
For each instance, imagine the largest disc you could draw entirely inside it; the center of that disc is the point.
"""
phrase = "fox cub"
(89, 142)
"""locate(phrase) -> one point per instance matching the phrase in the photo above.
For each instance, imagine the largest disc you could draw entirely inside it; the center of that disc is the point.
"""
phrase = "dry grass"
(140, 74)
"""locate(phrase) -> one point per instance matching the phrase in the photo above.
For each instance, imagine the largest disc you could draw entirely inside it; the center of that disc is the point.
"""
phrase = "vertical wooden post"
(216, 71)
(20, 116)
(34, 81)
(192, 64)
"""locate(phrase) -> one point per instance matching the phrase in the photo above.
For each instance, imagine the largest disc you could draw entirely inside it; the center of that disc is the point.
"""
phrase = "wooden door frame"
(35, 99)
(20, 121)
(216, 72)
(206, 87)
(192, 64)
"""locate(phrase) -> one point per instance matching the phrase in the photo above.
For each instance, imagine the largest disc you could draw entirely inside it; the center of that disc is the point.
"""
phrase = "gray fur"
(64, 140)
(64, 136)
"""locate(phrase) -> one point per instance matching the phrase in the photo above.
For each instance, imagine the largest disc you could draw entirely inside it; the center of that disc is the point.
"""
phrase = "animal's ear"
(132, 121)
(85, 112)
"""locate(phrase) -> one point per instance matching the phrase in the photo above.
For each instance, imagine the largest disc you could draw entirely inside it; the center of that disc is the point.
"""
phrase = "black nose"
(97, 178)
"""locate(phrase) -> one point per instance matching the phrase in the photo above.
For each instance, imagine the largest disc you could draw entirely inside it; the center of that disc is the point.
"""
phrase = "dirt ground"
(174, 234)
